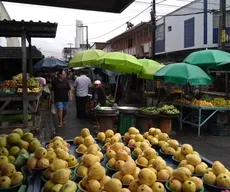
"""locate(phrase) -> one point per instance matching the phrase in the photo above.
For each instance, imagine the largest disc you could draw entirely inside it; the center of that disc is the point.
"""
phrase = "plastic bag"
(53, 109)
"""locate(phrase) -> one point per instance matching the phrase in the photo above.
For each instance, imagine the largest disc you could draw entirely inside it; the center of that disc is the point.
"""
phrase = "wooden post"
(226, 83)
(24, 80)
(30, 57)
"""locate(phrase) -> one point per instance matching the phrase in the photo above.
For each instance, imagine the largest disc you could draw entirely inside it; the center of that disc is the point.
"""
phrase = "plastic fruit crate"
(221, 129)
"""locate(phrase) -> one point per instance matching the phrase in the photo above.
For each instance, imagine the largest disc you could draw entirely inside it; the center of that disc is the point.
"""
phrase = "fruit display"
(60, 181)
(127, 173)
(10, 84)
(182, 180)
(39, 160)
(9, 176)
(218, 176)
(95, 178)
(194, 163)
(149, 110)
(117, 155)
(195, 102)
(146, 181)
(169, 110)
(86, 143)
(175, 91)
(150, 171)
(109, 137)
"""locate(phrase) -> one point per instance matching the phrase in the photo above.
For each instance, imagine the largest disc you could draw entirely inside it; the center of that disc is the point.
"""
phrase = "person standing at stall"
(82, 84)
(61, 95)
(99, 95)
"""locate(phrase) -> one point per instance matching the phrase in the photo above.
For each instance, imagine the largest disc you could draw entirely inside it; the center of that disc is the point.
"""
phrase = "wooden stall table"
(144, 121)
(106, 120)
(8, 105)
(166, 123)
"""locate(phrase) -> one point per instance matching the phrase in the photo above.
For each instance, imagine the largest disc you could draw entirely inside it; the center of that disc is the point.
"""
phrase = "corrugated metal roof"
(114, 6)
(16, 53)
(12, 28)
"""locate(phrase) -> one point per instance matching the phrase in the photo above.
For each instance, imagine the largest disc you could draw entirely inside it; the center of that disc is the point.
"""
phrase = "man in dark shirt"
(61, 95)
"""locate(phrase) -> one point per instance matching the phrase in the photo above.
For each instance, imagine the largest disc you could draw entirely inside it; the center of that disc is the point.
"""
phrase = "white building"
(79, 39)
(7, 42)
(191, 27)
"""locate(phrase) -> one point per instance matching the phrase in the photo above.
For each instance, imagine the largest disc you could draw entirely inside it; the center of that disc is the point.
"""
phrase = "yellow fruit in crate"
(144, 188)
(163, 174)
(109, 133)
(93, 186)
(60, 176)
(82, 170)
(126, 179)
(129, 167)
(186, 149)
(96, 171)
(158, 187)
(209, 178)
(218, 168)
(189, 186)
(147, 177)
(104, 180)
(159, 164)
(119, 164)
(182, 174)
(198, 182)
(223, 180)
(193, 159)
(110, 154)
(175, 185)
(118, 175)
(85, 132)
(142, 161)
(133, 186)
(122, 155)
(113, 185)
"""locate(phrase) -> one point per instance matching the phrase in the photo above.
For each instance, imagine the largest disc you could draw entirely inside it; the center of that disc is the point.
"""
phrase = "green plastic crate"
(220, 129)
(125, 122)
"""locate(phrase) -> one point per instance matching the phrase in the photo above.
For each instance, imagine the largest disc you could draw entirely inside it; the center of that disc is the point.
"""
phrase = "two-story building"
(191, 27)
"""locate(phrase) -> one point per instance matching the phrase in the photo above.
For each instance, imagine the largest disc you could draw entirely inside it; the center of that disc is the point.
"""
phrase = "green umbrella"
(85, 58)
(148, 71)
(148, 62)
(120, 62)
(183, 73)
(207, 58)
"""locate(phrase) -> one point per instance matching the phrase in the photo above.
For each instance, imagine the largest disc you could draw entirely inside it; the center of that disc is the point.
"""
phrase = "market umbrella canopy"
(120, 62)
(50, 64)
(183, 73)
(207, 58)
(85, 58)
(148, 62)
(149, 71)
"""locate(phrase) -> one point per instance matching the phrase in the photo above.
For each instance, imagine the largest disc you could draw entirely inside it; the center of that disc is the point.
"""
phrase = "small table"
(143, 121)
(106, 121)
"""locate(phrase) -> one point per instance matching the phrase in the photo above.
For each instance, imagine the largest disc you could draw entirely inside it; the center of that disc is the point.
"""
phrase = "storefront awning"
(113, 6)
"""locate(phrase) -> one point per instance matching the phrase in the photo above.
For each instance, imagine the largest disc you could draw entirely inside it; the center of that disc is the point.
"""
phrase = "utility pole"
(222, 25)
(153, 19)
(70, 49)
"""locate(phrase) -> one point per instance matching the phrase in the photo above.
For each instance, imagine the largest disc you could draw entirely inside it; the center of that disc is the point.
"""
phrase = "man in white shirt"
(82, 84)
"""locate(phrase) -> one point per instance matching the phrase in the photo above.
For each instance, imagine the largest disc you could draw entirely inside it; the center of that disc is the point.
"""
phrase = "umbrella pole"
(181, 111)
(115, 94)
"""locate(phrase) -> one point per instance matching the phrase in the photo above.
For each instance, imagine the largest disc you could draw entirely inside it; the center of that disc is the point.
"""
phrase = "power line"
(122, 24)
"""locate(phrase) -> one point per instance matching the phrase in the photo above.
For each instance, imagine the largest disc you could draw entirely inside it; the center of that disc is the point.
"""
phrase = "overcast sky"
(99, 23)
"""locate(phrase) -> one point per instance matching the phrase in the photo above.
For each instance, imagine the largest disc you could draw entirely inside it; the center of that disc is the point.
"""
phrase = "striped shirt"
(82, 85)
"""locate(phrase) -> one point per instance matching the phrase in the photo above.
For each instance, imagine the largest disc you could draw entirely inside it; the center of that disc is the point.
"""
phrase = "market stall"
(11, 98)
(110, 162)
(26, 31)
(202, 111)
